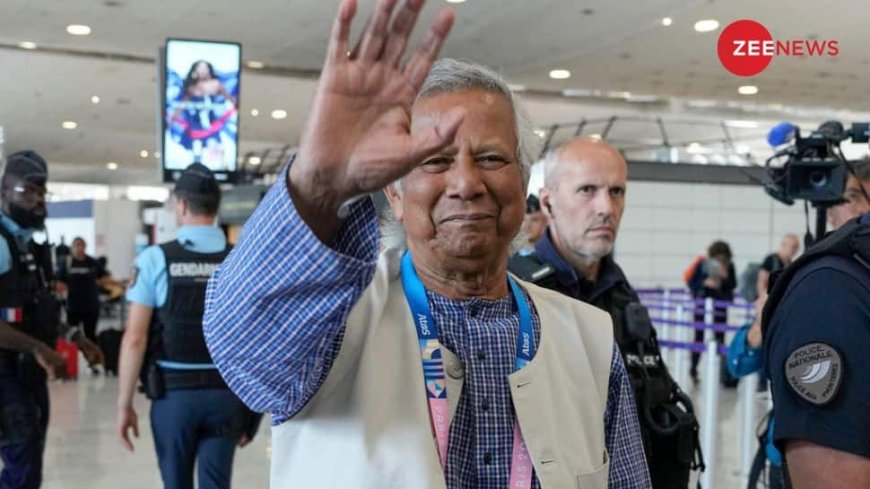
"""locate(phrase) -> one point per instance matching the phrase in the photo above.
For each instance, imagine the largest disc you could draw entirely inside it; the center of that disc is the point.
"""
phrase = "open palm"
(358, 136)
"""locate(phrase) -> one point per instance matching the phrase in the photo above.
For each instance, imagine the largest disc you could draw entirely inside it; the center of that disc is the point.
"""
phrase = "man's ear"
(544, 196)
(394, 197)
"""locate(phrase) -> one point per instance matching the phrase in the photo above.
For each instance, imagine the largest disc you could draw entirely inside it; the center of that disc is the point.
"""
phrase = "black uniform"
(27, 304)
(668, 424)
(816, 337)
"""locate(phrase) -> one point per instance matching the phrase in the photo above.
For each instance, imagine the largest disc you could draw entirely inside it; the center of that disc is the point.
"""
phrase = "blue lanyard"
(427, 330)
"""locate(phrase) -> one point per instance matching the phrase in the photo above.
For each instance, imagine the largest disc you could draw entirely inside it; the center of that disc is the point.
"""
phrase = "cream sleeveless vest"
(368, 426)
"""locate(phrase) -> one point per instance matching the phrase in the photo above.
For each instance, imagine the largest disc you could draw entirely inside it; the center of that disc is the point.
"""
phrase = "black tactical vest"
(179, 320)
(667, 420)
(26, 288)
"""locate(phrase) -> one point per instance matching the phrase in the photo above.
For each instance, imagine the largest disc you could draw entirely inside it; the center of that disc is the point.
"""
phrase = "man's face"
(855, 205)
(533, 226)
(585, 204)
(467, 201)
(79, 249)
(24, 202)
(790, 246)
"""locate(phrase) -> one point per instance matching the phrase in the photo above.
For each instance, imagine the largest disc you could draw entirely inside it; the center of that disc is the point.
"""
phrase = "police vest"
(668, 424)
(851, 241)
(26, 301)
(179, 320)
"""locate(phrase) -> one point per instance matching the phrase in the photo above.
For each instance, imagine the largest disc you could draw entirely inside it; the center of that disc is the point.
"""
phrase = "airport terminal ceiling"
(622, 60)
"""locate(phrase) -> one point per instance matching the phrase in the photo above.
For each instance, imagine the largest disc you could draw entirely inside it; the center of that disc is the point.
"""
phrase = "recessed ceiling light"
(257, 65)
(747, 90)
(743, 125)
(706, 25)
(69, 125)
(560, 74)
(143, 153)
(255, 112)
(254, 160)
(27, 45)
(157, 154)
(112, 165)
(78, 29)
(595, 136)
(540, 133)
(95, 99)
(667, 21)
(455, 1)
(279, 114)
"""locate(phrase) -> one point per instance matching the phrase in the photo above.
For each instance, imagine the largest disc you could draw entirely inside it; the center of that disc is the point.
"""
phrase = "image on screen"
(201, 113)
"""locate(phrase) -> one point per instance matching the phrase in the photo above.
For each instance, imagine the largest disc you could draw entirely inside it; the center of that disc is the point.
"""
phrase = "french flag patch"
(12, 314)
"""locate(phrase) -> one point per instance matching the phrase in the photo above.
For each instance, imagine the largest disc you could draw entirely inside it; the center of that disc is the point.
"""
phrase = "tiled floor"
(83, 451)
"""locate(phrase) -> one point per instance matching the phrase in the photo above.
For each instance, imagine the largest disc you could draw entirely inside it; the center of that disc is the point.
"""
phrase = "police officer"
(584, 198)
(28, 305)
(816, 330)
(194, 416)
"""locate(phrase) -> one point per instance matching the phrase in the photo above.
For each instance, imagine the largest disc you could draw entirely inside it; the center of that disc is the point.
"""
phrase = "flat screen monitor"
(200, 107)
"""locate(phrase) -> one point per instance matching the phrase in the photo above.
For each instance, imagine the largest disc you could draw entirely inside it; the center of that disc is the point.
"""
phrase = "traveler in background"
(776, 261)
(714, 278)
(533, 226)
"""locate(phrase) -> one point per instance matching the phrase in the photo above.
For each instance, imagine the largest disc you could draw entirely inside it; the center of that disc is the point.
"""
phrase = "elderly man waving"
(426, 366)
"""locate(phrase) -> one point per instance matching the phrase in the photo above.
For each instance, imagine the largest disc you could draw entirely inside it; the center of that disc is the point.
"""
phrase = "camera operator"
(856, 199)
(816, 332)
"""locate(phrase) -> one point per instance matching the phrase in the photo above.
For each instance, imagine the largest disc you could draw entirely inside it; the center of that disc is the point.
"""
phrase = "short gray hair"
(452, 76)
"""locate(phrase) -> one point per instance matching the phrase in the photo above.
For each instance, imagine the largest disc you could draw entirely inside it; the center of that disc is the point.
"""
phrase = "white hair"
(453, 76)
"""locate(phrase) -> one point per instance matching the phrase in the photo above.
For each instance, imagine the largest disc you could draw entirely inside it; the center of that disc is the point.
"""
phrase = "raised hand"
(358, 135)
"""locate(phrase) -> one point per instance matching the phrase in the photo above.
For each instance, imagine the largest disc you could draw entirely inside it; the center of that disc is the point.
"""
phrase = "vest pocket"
(596, 479)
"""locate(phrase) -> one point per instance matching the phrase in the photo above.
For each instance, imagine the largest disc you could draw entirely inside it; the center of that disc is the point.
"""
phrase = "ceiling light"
(257, 65)
(540, 133)
(560, 74)
(69, 125)
(157, 154)
(112, 165)
(742, 149)
(95, 99)
(707, 25)
(143, 153)
(747, 90)
(78, 30)
(27, 45)
(254, 160)
(517, 88)
(279, 114)
(255, 112)
(455, 1)
(743, 124)
(667, 21)
(595, 136)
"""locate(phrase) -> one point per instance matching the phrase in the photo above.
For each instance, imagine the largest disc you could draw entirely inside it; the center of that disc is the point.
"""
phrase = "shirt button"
(481, 355)
(456, 371)
(472, 311)
(487, 459)
(484, 405)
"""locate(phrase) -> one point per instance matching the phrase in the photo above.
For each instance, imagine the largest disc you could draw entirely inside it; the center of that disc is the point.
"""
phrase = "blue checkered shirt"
(280, 270)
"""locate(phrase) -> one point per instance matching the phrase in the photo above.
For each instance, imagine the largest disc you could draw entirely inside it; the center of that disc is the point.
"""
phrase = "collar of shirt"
(609, 273)
(22, 235)
(202, 239)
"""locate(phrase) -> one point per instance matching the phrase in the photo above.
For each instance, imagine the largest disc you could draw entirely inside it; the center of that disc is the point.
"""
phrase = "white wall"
(666, 225)
(117, 222)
